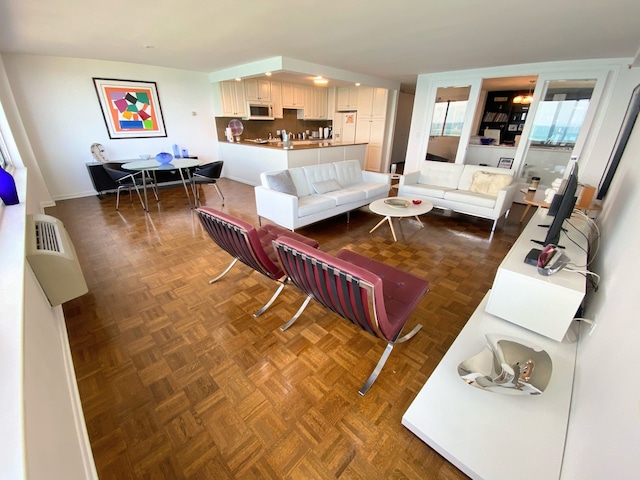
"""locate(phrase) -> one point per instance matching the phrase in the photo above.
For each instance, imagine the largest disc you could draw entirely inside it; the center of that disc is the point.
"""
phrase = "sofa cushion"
(326, 186)
(425, 190)
(348, 172)
(440, 174)
(282, 182)
(318, 173)
(300, 181)
(489, 183)
(346, 195)
(313, 204)
(373, 189)
(467, 197)
(466, 179)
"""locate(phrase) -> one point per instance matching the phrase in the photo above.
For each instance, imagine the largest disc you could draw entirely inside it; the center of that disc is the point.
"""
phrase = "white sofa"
(485, 192)
(300, 196)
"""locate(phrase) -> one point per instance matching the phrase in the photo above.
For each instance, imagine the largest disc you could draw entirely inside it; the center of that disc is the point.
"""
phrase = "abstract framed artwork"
(131, 109)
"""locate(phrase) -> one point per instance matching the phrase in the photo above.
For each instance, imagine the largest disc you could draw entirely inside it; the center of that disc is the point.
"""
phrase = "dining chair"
(208, 174)
(252, 247)
(126, 179)
(374, 296)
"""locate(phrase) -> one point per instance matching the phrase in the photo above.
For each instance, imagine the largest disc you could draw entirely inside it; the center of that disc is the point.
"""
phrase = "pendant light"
(525, 99)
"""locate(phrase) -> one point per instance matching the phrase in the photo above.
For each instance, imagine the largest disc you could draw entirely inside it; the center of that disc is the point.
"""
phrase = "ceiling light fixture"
(268, 74)
(357, 84)
(320, 81)
(525, 99)
(238, 79)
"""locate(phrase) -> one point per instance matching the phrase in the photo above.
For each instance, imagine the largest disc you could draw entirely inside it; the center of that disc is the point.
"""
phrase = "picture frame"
(505, 162)
(130, 108)
(513, 127)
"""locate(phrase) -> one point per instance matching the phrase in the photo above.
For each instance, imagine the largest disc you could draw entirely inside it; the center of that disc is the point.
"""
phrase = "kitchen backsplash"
(262, 128)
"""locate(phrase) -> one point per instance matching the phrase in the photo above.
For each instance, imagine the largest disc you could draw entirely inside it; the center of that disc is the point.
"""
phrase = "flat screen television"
(561, 208)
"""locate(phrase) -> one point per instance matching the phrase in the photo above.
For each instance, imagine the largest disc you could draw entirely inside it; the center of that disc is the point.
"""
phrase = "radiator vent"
(53, 259)
(47, 236)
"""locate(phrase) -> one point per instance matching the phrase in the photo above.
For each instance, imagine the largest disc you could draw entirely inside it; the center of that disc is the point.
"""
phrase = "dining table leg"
(186, 190)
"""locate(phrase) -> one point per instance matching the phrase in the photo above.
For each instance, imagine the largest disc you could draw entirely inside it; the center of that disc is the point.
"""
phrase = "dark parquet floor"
(178, 380)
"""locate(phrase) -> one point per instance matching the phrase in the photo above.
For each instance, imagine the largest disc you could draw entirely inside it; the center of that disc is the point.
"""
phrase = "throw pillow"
(326, 186)
(282, 182)
(489, 183)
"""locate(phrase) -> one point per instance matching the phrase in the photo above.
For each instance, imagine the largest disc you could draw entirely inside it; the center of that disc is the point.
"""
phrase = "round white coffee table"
(385, 207)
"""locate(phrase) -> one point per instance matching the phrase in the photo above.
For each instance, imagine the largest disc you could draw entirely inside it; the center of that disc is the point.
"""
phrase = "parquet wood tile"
(179, 381)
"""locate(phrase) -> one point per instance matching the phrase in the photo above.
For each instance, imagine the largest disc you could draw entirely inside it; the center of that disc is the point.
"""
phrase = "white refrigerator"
(344, 127)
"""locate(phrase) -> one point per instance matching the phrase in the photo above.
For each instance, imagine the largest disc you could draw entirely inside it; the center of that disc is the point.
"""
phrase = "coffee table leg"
(378, 224)
(419, 222)
(393, 232)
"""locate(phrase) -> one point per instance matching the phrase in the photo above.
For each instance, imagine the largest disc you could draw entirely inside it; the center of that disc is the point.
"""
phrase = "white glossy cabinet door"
(315, 104)
(371, 131)
(257, 90)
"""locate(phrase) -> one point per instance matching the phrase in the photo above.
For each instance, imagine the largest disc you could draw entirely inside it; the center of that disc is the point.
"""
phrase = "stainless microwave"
(259, 111)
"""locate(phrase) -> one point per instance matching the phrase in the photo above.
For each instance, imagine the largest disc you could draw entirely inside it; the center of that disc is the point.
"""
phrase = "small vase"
(164, 158)
(8, 191)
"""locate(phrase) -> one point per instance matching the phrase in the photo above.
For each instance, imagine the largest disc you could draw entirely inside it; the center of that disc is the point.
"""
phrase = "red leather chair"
(252, 247)
(374, 296)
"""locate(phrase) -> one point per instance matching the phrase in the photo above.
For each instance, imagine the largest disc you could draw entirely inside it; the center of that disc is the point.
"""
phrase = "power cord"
(587, 273)
(589, 321)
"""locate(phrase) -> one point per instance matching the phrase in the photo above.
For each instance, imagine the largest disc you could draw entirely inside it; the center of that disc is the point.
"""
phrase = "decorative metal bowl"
(397, 202)
(508, 366)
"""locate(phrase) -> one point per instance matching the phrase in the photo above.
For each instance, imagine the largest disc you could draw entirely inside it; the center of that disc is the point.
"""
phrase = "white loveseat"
(485, 192)
(300, 196)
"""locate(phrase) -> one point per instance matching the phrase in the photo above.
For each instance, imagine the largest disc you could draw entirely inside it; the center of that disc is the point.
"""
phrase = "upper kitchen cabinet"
(292, 95)
(315, 104)
(347, 99)
(276, 99)
(257, 90)
(229, 99)
(372, 101)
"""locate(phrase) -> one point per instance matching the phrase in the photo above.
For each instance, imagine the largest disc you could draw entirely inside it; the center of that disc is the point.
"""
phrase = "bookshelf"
(502, 114)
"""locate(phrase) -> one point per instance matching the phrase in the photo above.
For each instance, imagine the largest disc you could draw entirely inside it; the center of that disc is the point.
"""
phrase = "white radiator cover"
(53, 259)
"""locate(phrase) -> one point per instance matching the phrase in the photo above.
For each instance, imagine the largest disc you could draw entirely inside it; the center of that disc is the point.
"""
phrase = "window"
(448, 118)
(558, 123)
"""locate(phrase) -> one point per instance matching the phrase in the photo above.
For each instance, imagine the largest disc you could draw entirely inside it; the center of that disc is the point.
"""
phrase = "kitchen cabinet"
(371, 131)
(315, 104)
(292, 95)
(347, 99)
(257, 90)
(229, 99)
(372, 102)
(276, 99)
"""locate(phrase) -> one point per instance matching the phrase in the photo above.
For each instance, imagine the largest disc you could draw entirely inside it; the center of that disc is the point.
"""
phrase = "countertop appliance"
(259, 112)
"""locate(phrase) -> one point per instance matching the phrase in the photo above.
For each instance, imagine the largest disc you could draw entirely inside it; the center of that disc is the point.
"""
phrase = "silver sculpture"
(507, 366)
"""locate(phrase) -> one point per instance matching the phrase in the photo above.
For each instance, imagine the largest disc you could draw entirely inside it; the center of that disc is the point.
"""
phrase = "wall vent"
(53, 259)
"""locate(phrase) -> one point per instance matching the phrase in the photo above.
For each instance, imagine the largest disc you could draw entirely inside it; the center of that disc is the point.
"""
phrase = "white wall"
(61, 115)
(604, 429)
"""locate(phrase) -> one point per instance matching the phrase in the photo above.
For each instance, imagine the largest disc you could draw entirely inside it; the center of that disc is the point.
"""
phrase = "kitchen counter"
(298, 144)
(244, 161)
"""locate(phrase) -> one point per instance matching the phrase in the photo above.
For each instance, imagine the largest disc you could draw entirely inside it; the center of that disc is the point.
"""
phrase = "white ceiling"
(391, 40)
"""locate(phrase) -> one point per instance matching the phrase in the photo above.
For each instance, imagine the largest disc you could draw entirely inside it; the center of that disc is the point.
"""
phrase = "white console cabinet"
(488, 435)
(501, 437)
(545, 305)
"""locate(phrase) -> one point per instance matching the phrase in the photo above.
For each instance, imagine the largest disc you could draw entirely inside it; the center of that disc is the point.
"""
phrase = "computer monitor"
(562, 207)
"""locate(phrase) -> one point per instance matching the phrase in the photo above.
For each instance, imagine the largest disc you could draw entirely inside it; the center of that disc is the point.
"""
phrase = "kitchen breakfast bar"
(244, 161)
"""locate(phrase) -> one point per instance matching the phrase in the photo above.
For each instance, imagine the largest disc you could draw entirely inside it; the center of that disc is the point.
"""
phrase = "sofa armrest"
(278, 207)
(376, 177)
(410, 178)
(505, 198)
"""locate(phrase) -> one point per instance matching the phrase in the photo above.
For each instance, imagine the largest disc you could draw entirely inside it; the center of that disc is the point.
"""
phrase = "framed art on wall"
(131, 108)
